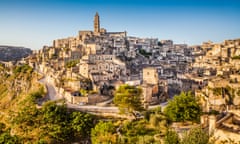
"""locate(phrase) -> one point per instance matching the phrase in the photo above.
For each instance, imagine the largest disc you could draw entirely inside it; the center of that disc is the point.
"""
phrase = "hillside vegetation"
(22, 120)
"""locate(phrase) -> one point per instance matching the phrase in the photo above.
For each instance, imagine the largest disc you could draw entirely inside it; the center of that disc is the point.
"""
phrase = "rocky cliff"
(11, 53)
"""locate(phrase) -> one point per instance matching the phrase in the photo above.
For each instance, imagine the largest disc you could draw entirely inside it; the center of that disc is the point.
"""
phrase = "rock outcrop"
(11, 53)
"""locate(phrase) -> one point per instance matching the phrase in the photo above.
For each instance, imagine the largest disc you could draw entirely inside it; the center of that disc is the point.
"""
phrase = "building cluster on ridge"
(99, 61)
(107, 59)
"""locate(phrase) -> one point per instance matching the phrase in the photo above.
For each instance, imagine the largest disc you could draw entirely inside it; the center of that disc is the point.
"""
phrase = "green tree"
(195, 136)
(6, 138)
(23, 68)
(53, 123)
(183, 107)
(72, 63)
(171, 137)
(159, 123)
(128, 99)
(81, 123)
(53, 113)
(2, 127)
(104, 133)
(55, 118)
(135, 128)
(144, 53)
(34, 96)
(137, 132)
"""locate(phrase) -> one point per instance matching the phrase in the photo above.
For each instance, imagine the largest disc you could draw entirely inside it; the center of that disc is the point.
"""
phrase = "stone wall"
(150, 75)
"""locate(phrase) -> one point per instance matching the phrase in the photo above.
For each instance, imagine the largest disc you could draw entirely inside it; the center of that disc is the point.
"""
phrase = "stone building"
(150, 75)
(223, 129)
(153, 89)
(87, 37)
(75, 97)
(96, 24)
(102, 67)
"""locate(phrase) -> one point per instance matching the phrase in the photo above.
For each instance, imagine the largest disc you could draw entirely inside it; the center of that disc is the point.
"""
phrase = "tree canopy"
(104, 132)
(183, 107)
(195, 136)
(53, 123)
(128, 99)
(23, 68)
(6, 137)
(171, 137)
(72, 63)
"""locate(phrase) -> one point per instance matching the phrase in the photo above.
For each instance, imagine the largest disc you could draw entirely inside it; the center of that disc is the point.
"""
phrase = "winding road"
(54, 95)
(51, 89)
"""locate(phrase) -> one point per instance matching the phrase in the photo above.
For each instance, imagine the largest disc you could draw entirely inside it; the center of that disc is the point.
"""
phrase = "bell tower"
(96, 23)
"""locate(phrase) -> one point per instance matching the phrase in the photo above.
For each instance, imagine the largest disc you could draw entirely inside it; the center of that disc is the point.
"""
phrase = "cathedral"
(87, 36)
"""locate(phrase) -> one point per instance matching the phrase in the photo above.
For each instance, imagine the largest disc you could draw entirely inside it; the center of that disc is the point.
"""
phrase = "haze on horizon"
(34, 24)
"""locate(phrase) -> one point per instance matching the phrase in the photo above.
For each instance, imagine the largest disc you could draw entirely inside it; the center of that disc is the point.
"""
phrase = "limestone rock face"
(236, 100)
(11, 53)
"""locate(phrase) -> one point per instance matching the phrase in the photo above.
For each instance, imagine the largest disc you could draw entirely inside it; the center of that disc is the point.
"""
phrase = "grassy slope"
(11, 101)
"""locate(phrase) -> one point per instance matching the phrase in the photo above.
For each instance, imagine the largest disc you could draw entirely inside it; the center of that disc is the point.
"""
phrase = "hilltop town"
(87, 69)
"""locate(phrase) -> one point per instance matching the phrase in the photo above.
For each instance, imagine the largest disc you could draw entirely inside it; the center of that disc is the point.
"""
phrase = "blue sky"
(34, 23)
